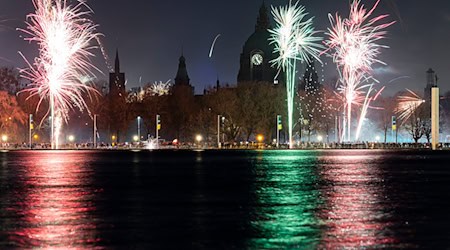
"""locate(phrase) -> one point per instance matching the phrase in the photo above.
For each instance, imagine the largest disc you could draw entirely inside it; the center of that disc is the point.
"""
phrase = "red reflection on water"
(354, 214)
(56, 206)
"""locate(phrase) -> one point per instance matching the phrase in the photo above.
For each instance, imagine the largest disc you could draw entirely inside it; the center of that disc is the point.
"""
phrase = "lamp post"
(95, 133)
(139, 127)
(158, 127)
(218, 132)
(260, 139)
(31, 130)
(320, 140)
(279, 128)
(223, 128)
(199, 139)
(71, 139)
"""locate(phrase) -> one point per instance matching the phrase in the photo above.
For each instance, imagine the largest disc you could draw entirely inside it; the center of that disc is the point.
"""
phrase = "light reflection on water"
(55, 206)
(353, 210)
(223, 199)
(286, 199)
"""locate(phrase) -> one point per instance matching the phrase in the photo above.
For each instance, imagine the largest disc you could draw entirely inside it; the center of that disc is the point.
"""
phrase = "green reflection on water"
(286, 199)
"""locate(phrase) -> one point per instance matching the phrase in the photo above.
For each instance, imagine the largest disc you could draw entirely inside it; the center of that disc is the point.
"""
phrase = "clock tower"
(258, 52)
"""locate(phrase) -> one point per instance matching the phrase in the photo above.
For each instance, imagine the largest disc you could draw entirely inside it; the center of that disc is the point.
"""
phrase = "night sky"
(150, 35)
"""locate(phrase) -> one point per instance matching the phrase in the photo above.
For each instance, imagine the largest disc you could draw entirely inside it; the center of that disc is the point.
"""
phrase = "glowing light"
(294, 39)
(71, 138)
(151, 144)
(320, 138)
(35, 137)
(4, 138)
(199, 138)
(377, 138)
(136, 138)
(260, 138)
(161, 88)
(353, 45)
(64, 35)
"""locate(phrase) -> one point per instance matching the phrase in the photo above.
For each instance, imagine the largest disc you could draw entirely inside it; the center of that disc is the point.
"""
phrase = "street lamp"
(260, 138)
(136, 138)
(320, 138)
(71, 138)
(377, 138)
(139, 127)
(4, 138)
(199, 139)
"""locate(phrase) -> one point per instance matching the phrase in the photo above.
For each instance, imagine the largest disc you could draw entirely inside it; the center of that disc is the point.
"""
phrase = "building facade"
(257, 53)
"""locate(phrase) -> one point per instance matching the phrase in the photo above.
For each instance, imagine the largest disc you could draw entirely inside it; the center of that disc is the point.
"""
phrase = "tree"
(182, 107)
(119, 115)
(385, 111)
(248, 95)
(225, 102)
(415, 123)
(154, 103)
(12, 116)
(9, 80)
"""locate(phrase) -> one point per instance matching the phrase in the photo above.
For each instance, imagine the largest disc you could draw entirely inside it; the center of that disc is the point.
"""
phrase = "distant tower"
(182, 78)
(258, 52)
(431, 82)
(117, 80)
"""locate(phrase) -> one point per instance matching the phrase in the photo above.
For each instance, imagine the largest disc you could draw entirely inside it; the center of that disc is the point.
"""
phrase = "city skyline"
(150, 51)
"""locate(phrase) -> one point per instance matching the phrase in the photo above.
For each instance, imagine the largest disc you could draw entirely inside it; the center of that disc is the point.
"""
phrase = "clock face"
(257, 59)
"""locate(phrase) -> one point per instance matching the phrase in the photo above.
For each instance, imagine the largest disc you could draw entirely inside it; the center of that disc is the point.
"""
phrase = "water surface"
(225, 199)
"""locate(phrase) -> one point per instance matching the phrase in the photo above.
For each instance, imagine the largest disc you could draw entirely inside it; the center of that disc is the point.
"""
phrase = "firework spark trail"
(104, 54)
(294, 39)
(353, 44)
(407, 105)
(64, 35)
(366, 105)
(212, 46)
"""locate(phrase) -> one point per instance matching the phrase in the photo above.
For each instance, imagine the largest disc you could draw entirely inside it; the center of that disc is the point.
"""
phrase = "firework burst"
(295, 40)
(407, 105)
(65, 36)
(160, 88)
(353, 45)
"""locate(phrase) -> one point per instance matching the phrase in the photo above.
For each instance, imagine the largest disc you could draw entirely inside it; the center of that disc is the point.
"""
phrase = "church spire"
(182, 77)
(263, 21)
(117, 64)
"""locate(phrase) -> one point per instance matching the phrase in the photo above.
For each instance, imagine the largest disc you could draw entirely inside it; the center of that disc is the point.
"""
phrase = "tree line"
(246, 110)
